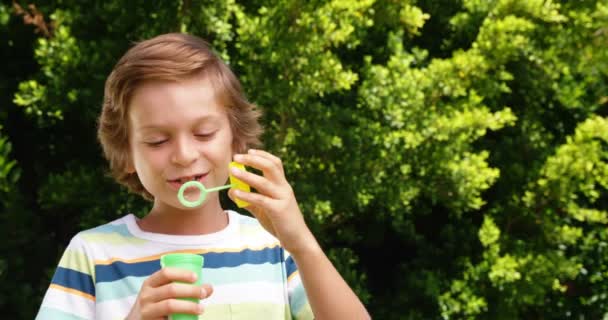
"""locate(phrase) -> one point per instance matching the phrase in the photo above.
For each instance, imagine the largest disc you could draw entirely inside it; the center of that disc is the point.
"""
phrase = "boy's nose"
(185, 152)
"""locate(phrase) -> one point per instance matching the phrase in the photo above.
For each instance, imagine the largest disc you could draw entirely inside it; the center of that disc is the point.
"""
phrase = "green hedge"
(451, 156)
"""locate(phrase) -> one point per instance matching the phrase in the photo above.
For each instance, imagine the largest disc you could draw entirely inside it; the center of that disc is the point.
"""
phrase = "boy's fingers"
(271, 171)
(178, 290)
(208, 290)
(255, 199)
(169, 306)
(261, 184)
(166, 275)
(276, 160)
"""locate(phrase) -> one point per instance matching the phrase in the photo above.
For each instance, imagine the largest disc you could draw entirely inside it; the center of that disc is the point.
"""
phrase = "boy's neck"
(209, 218)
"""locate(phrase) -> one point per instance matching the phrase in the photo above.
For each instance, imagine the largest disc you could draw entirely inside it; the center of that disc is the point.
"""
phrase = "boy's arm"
(329, 295)
(276, 208)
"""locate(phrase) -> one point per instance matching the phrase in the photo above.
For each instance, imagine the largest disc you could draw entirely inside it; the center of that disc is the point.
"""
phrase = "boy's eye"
(205, 135)
(155, 143)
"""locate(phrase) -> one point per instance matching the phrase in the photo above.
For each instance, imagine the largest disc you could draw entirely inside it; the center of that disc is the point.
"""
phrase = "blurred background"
(451, 156)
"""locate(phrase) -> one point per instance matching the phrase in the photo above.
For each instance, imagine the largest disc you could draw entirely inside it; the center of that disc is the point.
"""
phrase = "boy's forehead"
(154, 104)
(190, 88)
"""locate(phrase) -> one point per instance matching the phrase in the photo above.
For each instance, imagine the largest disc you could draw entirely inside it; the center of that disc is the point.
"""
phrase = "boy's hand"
(158, 295)
(274, 204)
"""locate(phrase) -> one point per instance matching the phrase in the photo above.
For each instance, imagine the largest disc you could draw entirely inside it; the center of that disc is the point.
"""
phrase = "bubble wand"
(234, 183)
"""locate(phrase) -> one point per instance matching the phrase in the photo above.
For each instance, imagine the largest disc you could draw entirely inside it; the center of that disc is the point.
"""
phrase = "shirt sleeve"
(298, 300)
(71, 294)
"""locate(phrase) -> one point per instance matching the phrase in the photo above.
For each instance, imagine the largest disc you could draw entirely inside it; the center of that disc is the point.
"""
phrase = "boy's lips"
(177, 183)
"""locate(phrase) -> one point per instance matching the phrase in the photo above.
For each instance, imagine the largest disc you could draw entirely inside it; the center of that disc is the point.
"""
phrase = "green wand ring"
(202, 196)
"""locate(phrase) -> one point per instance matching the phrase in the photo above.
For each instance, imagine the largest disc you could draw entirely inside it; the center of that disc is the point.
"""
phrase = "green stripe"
(75, 260)
(246, 311)
(253, 231)
(47, 313)
(305, 313)
(111, 239)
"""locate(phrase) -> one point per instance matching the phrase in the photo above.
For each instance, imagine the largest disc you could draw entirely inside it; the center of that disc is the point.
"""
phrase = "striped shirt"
(102, 270)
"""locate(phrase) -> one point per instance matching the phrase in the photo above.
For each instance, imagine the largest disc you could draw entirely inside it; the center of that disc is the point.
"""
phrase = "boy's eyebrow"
(206, 118)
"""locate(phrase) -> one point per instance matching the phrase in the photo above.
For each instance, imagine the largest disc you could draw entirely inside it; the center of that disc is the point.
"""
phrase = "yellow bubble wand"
(234, 183)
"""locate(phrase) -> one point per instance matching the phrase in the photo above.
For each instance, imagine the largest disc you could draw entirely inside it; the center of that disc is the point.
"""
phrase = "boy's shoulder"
(116, 226)
(111, 232)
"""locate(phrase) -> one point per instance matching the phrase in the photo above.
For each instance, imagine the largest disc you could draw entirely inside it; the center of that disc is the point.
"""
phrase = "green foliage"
(4, 14)
(452, 156)
(8, 171)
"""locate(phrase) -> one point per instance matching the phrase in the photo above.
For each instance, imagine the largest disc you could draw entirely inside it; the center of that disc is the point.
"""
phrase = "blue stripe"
(298, 299)
(118, 270)
(109, 229)
(130, 286)
(74, 280)
(290, 265)
(124, 287)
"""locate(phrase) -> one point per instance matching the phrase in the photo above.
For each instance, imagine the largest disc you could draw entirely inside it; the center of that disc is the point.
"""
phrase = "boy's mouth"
(177, 183)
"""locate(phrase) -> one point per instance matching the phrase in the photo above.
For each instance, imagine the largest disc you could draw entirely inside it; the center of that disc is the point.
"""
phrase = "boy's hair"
(170, 57)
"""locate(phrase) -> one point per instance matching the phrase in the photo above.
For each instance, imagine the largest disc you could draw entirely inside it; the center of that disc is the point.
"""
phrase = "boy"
(174, 112)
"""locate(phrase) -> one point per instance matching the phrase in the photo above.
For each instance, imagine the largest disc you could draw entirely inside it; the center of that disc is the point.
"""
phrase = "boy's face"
(178, 132)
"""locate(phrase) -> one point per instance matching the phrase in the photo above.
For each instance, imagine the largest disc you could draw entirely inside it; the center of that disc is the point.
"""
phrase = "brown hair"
(168, 57)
